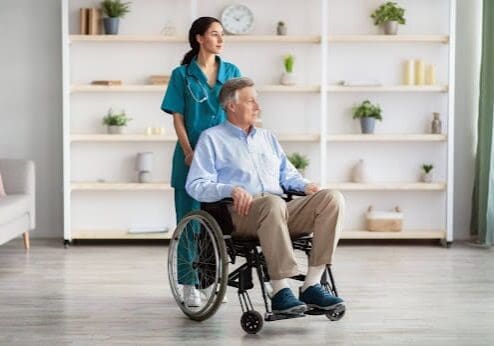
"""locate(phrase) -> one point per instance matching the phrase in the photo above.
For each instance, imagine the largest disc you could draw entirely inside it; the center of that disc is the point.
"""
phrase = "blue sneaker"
(284, 302)
(317, 297)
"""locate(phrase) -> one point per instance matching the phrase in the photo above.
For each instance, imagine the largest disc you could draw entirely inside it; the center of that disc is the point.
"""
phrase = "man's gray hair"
(229, 91)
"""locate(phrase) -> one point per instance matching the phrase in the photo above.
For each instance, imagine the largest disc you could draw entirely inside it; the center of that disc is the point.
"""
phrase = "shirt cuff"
(226, 190)
(301, 185)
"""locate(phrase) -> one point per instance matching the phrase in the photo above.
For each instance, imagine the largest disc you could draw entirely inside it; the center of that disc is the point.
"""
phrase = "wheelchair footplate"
(334, 314)
(270, 317)
(336, 310)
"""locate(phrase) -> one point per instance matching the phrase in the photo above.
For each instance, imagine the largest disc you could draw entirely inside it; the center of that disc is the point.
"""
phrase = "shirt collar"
(196, 71)
(237, 131)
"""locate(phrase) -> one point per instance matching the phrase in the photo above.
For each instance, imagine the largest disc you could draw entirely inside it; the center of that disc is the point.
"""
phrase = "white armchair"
(17, 209)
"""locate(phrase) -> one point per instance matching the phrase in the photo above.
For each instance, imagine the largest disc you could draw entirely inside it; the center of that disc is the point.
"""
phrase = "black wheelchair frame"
(241, 278)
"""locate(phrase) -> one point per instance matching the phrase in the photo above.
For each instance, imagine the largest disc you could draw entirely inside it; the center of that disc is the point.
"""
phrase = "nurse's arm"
(183, 139)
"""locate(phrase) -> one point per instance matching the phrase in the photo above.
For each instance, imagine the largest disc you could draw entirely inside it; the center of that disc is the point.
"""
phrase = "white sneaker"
(206, 292)
(192, 297)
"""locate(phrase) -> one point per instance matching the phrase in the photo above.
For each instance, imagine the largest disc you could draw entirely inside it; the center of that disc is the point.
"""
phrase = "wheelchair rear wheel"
(197, 257)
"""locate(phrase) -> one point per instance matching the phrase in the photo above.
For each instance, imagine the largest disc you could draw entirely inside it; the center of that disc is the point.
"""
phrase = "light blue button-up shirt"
(226, 157)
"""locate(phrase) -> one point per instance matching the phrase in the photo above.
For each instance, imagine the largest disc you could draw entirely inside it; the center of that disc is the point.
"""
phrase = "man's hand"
(188, 158)
(311, 188)
(242, 200)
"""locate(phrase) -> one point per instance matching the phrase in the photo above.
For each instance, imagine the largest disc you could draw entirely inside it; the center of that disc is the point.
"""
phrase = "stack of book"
(90, 21)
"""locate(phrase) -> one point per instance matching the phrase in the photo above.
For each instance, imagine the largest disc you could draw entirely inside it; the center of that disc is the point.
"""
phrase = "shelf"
(389, 38)
(117, 234)
(82, 102)
(161, 88)
(386, 138)
(123, 234)
(389, 88)
(118, 88)
(273, 39)
(267, 38)
(127, 38)
(387, 186)
(288, 137)
(286, 88)
(94, 186)
(294, 137)
(431, 234)
(122, 138)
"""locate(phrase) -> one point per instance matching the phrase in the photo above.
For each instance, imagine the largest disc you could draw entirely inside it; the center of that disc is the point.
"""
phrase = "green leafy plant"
(281, 23)
(298, 160)
(289, 61)
(115, 8)
(367, 110)
(116, 118)
(427, 167)
(389, 11)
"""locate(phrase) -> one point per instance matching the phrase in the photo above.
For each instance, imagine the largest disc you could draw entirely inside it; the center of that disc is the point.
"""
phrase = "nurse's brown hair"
(199, 27)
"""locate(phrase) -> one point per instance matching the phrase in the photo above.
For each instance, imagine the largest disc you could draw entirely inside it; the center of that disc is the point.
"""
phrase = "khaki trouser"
(275, 221)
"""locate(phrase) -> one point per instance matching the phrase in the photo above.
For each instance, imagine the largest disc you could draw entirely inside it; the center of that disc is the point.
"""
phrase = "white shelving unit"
(311, 117)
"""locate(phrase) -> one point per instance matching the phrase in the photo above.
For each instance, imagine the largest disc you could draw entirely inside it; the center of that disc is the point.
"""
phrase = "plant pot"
(281, 29)
(367, 124)
(111, 25)
(427, 177)
(288, 78)
(391, 27)
(115, 130)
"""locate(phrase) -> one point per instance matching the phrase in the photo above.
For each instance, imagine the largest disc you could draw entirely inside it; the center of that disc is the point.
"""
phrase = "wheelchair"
(208, 233)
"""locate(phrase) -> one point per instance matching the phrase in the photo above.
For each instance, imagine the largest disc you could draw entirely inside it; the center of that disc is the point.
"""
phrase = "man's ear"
(231, 106)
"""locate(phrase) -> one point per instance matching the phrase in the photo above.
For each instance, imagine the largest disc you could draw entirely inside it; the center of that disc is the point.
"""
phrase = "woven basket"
(384, 221)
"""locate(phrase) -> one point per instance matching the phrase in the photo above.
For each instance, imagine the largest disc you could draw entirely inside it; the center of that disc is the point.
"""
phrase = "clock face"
(237, 19)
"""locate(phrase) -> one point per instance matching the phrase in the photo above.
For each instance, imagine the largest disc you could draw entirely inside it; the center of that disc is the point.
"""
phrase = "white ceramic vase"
(288, 78)
(427, 177)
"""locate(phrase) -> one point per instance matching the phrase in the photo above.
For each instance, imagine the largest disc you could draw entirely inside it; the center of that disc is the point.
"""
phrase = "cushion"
(12, 207)
(2, 190)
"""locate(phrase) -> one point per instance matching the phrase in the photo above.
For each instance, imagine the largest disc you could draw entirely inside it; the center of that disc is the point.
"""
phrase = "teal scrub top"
(189, 94)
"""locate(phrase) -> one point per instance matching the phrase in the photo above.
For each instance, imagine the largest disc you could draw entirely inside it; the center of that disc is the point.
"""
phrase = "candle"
(430, 77)
(409, 72)
(419, 72)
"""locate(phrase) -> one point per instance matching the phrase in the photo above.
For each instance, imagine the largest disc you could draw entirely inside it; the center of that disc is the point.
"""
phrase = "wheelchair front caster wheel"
(251, 321)
(336, 314)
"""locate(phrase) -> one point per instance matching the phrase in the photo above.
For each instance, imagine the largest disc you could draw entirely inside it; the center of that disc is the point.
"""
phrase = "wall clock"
(237, 19)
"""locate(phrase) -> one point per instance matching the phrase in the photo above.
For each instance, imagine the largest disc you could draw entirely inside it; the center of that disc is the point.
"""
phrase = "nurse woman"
(192, 99)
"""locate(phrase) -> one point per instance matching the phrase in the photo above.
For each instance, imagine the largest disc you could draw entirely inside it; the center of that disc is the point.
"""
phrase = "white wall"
(31, 110)
(31, 100)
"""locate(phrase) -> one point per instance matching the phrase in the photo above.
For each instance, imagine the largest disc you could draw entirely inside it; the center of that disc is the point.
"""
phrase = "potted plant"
(426, 176)
(114, 10)
(288, 77)
(389, 15)
(368, 114)
(281, 28)
(115, 121)
(299, 161)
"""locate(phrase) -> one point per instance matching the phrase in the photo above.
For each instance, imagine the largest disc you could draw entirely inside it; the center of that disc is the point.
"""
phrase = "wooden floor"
(94, 294)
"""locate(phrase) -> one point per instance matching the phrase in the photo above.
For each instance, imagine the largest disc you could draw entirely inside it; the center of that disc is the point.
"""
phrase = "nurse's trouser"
(275, 221)
(186, 254)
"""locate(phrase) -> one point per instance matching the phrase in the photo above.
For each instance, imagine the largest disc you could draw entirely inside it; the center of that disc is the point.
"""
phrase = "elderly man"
(237, 160)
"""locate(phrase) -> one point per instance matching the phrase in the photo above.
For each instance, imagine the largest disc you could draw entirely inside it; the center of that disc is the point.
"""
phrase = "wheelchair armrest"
(289, 194)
